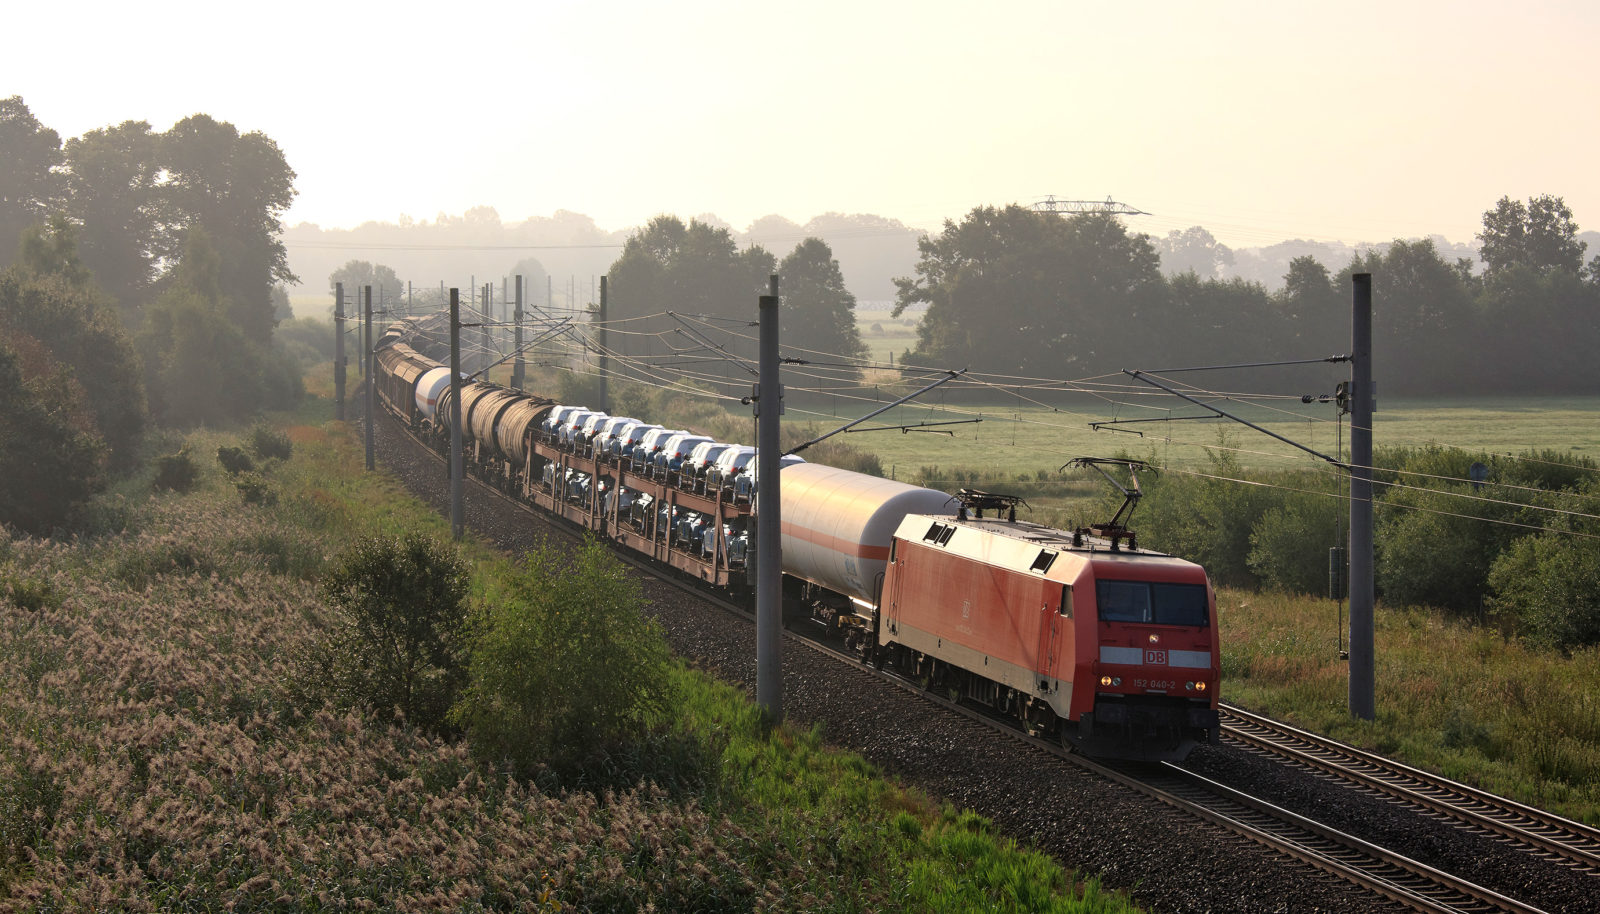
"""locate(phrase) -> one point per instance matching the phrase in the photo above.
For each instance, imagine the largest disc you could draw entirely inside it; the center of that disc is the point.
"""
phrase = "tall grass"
(153, 755)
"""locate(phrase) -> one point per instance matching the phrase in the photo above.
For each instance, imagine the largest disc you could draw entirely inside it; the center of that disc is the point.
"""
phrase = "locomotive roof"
(1049, 537)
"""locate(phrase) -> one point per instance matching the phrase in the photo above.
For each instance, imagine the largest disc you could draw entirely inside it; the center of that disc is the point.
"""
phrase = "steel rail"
(1561, 840)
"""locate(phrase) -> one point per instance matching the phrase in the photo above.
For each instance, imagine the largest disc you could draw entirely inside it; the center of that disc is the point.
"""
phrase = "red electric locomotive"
(1111, 647)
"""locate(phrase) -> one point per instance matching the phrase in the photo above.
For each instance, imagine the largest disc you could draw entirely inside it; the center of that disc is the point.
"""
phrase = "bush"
(1549, 585)
(64, 330)
(308, 341)
(400, 605)
(49, 465)
(567, 668)
(268, 443)
(176, 472)
(28, 592)
(1436, 539)
(1205, 519)
(234, 460)
(255, 490)
(1289, 544)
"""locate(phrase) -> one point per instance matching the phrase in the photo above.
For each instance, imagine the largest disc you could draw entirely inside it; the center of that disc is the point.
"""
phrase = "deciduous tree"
(1193, 249)
(30, 187)
(1422, 316)
(114, 194)
(357, 273)
(237, 187)
(818, 312)
(200, 366)
(1016, 290)
(1540, 235)
(692, 270)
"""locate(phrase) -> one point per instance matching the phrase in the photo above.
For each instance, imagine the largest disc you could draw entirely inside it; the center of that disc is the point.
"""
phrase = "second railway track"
(1553, 837)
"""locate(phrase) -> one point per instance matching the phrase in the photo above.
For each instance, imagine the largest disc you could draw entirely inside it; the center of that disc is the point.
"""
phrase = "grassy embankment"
(1451, 697)
(154, 757)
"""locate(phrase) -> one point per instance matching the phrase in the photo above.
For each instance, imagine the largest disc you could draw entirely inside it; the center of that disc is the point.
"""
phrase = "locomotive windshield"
(1151, 602)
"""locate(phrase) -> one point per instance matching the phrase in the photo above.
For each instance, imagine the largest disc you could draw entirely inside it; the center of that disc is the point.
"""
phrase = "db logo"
(1158, 658)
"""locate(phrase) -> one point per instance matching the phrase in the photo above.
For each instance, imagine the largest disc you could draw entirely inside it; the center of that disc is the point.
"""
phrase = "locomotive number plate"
(1154, 684)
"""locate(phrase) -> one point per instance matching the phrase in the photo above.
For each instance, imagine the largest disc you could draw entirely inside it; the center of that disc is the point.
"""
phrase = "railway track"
(1377, 869)
(1408, 882)
(1374, 869)
(1540, 833)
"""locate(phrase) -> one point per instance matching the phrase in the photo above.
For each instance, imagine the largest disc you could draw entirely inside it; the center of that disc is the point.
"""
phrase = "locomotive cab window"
(1043, 562)
(1151, 602)
(932, 536)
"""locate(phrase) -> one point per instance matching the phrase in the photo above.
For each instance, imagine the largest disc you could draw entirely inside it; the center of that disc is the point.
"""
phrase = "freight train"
(1108, 647)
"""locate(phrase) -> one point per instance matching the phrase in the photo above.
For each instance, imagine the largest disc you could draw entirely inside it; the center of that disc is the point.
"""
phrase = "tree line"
(1011, 289)
(143, 280)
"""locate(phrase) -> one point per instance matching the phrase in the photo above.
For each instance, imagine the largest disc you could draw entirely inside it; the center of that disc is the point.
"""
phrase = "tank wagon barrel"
(837, 525)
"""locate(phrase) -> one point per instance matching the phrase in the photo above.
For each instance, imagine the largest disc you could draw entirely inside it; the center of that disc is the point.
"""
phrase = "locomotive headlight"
(1105, 680)
(1189, 686)
(1155, 638)
(1199, 687)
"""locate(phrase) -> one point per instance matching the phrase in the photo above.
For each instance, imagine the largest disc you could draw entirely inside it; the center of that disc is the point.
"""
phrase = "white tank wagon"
(430, 387)
(837, 525)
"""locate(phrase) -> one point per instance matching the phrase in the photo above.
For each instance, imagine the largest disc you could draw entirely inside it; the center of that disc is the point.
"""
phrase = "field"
(1017, 437)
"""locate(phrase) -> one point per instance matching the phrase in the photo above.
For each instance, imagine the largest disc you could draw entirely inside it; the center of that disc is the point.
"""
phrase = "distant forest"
(872, 250)
(573, 252)
(1011, 290)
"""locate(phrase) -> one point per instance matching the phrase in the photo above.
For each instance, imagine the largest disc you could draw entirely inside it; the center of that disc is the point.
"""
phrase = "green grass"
(886, 337)
(1022, 438)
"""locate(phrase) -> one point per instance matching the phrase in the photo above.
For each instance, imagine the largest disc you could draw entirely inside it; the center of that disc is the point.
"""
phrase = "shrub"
(1550, 585)
(566, 668)
(268, 442)
(255, 490)
(176, 472)
(28, 592)
(1206, 519)
(234, 460)
(1289, 544)
(400, 605)
(49, 465)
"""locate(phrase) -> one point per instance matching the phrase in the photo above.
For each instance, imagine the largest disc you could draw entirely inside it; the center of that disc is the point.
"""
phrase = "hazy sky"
(1353, 121)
